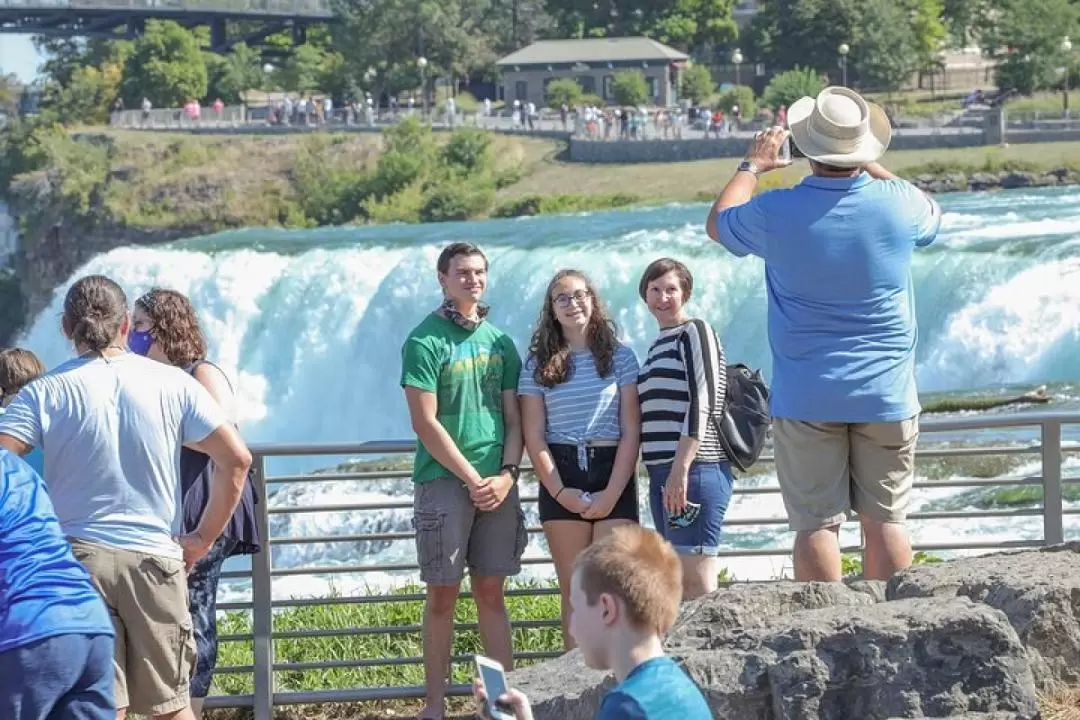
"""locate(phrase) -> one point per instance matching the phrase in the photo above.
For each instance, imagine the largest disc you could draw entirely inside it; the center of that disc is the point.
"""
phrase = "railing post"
(262, 616)
(1053, 510)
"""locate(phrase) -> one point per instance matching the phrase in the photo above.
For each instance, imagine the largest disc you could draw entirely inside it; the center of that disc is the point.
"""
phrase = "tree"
(1025, 37)
(962, 19)
(457, 38)
(9, 85)
(742, 96)
(167, 66)
(696, 84)
(806, 33)
(685, 24)
(886, 52)
(230, 76)
(787, 87)
(630, 88)
(564, 91)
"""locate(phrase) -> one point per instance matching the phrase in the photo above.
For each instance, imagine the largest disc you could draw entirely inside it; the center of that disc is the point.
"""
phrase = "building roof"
(592, 50)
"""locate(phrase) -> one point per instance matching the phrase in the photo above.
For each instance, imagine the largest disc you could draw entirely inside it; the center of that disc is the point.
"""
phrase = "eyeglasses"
(580, 296)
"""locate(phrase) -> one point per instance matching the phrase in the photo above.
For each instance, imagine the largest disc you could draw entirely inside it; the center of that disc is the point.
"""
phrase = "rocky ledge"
(972, 638)
(1004, 180)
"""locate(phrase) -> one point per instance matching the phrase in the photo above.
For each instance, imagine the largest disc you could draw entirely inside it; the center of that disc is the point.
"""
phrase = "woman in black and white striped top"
(681, 389)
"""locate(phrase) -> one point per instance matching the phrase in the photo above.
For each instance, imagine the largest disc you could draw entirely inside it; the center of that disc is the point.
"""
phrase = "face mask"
(140, 342)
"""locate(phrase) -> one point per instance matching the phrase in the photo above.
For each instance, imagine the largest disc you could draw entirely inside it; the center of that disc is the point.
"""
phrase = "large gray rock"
(1039, 591)
(710, 622)
(842, 658)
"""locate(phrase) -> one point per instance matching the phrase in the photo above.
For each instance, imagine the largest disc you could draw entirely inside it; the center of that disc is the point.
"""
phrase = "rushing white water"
(310, 324)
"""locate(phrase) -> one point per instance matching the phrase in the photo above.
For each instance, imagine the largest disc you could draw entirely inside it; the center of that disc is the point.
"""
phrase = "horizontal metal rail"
(1047, 449)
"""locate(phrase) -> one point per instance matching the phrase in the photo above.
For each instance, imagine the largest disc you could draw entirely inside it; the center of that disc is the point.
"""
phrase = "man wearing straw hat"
(837, 249)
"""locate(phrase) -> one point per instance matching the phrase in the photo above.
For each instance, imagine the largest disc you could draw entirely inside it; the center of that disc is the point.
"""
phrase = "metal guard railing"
(1050, 449)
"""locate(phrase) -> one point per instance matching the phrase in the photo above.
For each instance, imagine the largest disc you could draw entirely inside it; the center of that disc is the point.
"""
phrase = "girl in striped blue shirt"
(581, 422)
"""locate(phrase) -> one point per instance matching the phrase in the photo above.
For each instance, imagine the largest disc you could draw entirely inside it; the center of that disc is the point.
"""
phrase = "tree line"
(375, 46)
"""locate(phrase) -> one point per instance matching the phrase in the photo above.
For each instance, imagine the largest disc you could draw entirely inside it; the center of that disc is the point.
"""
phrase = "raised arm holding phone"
(838, 248)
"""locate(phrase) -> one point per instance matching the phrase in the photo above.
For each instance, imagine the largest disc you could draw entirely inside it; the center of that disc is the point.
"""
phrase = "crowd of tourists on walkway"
(124, 483)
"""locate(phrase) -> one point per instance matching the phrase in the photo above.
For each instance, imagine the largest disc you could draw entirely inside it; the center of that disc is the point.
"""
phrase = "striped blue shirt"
(585, 407)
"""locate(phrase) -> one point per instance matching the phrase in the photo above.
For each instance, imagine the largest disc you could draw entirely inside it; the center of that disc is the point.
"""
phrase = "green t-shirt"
(468, 372)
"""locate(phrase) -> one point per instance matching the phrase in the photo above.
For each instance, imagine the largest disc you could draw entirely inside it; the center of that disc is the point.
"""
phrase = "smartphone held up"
(493, 677)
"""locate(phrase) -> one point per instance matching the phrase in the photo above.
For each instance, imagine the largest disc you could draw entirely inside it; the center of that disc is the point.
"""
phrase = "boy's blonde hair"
(640, 568)
(18, 368)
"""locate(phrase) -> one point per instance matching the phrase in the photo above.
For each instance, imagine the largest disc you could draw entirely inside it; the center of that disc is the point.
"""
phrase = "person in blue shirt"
(18, 368)
(624, 598)
(837, 250)
(56, 638)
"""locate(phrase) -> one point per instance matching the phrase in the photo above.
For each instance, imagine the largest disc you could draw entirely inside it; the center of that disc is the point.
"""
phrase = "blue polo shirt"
(842, 327)
(44, 591)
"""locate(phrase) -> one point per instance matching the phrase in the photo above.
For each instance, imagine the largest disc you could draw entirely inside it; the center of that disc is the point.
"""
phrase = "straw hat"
(839, 128)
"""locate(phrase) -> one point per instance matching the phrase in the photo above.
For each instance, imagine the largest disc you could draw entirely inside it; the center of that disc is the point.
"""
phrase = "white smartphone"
(785, 149)
(494, 678)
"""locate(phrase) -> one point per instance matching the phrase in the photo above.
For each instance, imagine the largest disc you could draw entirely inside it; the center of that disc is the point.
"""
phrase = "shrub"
(564, 91)
(553, 204)
(396, 171)
(629, 88)
(456, 200)
(593, 99)
(742, 96)
(697, 85)
(468, 150)
(787, 87)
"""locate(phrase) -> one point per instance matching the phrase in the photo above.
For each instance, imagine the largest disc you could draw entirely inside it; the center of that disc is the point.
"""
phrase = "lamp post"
(844, 49)
(1066, 47)
(421, 63)
(737, 59)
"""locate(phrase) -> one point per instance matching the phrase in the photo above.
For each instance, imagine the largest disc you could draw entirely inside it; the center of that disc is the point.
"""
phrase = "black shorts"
(592, 480)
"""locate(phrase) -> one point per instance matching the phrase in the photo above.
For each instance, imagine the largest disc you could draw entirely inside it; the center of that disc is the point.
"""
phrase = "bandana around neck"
(451, 313)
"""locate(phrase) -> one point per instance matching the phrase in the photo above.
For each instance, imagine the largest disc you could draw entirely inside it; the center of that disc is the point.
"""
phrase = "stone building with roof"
(593, 62)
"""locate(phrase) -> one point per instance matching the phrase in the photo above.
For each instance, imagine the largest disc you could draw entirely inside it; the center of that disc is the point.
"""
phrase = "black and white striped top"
(681, 387)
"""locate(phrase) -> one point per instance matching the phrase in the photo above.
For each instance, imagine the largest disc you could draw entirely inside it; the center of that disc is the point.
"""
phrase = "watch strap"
(514, 470)
(749, 166)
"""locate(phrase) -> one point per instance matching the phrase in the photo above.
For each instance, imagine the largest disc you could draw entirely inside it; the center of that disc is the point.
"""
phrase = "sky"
(17, 55)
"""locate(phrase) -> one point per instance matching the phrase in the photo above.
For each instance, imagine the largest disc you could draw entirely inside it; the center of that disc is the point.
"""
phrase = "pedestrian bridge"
(125, 19)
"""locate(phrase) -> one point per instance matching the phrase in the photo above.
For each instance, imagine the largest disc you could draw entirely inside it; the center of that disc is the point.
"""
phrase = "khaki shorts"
(452, 534)
(827, 470)
(147, 597)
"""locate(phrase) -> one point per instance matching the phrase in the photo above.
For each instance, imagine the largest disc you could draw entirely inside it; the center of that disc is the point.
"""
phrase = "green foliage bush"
(629, 88)
(564, 91)
(787, 87)
(742, 96)
(553, 204)
(697, 85)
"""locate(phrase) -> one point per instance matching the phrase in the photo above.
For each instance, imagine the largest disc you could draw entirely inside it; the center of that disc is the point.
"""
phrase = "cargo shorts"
(147, 597)
(828, 470)
(452, 534)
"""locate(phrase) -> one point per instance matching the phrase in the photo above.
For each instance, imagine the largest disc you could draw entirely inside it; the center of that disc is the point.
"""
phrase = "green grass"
(406, 643)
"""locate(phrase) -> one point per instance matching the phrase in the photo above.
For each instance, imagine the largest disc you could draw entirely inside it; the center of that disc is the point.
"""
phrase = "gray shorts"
(452, 534)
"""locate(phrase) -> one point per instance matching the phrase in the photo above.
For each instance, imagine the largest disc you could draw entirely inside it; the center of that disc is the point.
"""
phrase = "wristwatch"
(749, 166)
(514, 470)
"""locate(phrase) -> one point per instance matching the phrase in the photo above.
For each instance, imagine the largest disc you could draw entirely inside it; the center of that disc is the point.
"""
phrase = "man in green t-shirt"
(460, 377)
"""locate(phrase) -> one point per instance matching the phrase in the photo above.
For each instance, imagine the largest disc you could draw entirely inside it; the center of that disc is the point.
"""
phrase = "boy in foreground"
(624, 597)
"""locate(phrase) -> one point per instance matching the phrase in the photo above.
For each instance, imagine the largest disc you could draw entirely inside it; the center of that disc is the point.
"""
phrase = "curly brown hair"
(549, 347)
(175, 326)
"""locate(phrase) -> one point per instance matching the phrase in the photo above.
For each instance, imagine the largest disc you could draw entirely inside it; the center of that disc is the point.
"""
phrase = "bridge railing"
(313, 8)
(1019, 437)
